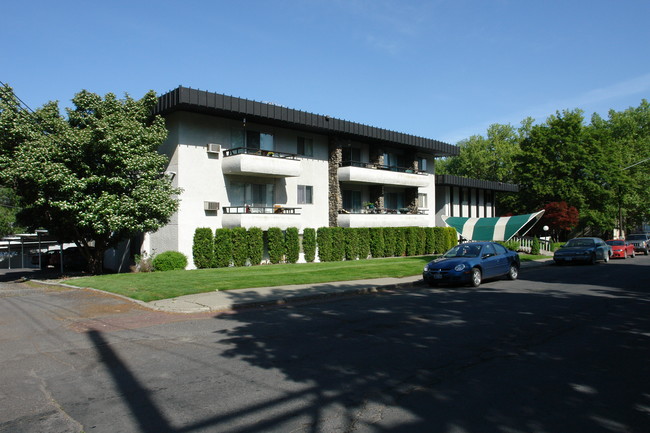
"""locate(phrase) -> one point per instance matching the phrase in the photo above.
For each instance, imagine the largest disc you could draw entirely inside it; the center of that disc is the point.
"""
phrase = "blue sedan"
(470, 263)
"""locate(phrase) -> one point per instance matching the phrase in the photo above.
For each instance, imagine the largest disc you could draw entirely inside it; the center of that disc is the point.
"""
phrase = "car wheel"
(593, 259)
(476, 277)
(633, 254)
(606, 258)
(624, 255)
(513, 273)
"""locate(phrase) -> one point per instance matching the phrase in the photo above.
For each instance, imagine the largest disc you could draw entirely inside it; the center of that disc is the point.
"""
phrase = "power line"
(16, 96)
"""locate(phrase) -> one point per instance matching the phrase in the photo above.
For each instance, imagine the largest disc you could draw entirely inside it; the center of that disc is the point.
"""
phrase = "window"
(305, 194)
(422, 201)
(394, 200)
(305, 146)
(259, 195)
(352, 200)
(351, 154)
(252, 140)
(500, 249)
(489, 249)
(422, 164)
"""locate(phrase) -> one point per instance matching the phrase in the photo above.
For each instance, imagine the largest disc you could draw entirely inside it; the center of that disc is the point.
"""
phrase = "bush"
(338, 244)
(222, 248)
(390, 240)
(412, 241)
(203, 248)
(511, 245)
(169, 261)
(430, 242)
(255, 245)
(363, 235)
(275, 241)
(239, 240)
(309, 244)
(440, 240)
(292, 241)
(351, 243)
(400, 241)
(377, 246)
(535, 247)
(324, 240)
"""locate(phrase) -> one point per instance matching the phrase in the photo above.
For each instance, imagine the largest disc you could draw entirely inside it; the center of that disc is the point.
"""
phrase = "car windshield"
(580, 243)
(463, 250)
(615, 243)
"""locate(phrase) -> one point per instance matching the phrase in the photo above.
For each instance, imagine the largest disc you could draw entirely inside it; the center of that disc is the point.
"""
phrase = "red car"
(621, 249)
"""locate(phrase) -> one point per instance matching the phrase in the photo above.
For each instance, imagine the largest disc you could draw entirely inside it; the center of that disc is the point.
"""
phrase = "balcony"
(367, 173)
(257, 162)
(385, 218)
(262, 217)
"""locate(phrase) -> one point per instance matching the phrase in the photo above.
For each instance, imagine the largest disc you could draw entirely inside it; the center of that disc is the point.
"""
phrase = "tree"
(560, 218)
(93, 177)
(8, 210)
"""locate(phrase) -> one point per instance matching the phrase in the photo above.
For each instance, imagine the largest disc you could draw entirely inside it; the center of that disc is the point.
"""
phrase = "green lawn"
(162, 285)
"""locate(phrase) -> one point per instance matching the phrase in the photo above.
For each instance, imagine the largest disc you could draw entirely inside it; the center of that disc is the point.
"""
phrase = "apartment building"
(242, 163)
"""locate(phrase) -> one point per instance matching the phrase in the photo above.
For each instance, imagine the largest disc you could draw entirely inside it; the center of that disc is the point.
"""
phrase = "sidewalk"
(233, 299)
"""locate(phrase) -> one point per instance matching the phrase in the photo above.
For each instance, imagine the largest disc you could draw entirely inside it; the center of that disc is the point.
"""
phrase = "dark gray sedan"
(583, 250)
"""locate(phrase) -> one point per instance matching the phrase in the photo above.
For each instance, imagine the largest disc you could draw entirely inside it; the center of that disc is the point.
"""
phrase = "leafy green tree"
(91, 177)
(309, 244)
(292, 241)
(203, 248)
(222, 247)
(255, 245)
(276, 245)
(239, 241)
(8, 211)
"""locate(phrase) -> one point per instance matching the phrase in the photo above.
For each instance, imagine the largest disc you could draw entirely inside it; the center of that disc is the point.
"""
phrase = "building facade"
(243, 163)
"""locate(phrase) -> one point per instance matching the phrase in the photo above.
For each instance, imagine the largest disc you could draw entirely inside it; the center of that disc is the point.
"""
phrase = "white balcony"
(381, 176)
(261, 217)
(261, 163)
(384, 220)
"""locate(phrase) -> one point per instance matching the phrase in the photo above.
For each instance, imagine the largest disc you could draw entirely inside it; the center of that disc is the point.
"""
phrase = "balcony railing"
(385, 211)
(380, 167)
(261, 210)
(260, 152)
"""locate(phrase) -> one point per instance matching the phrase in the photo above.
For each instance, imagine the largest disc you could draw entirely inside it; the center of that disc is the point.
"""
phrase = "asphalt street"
(562, 349)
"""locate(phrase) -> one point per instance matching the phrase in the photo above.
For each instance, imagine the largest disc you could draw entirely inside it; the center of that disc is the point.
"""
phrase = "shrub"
(239, 240)
(535, 247)
(422, 240)
(338, 244)
(377, 246)
(292, 241)
(143, 263)
(309, 244)
(400, 241)
(452, 237)
(169, 261)
(351, 236)
(203, 248)
(363, 235)
(430, 242)
(440, 240)
(511, 245)
(222, 248)
(390, 241)
(324, 240)
(275, 241)
(255, 245)
(412, 242)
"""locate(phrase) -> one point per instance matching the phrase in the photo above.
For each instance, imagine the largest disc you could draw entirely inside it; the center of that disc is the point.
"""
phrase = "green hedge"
(255, 245)
(240, 247)
(309, 244)
(203, 248)
(169, 261)
(222, 248)
(239, 239)
(292, 245)
(276, 246)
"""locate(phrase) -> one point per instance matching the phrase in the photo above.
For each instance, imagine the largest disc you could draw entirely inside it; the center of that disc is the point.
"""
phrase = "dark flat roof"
(199, 101)
(451, 180)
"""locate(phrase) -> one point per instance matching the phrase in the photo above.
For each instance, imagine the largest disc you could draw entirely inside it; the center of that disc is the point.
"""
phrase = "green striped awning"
(492, 229)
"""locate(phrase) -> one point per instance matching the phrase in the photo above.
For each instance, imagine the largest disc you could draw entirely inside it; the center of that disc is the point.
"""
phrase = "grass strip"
(151, 286)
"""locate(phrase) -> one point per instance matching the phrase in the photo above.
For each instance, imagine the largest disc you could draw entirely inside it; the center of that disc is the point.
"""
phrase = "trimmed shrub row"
(241, 247)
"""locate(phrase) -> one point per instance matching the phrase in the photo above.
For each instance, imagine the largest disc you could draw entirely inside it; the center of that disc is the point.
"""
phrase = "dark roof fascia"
(193, 100)
(466, 182)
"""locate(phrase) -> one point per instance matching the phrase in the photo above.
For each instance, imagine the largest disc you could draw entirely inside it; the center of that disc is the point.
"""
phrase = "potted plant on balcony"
(370, 206)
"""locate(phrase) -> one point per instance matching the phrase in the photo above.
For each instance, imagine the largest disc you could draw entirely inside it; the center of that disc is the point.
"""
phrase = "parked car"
(586, 250)
(640, 241)
(470, 263)
(620, 248)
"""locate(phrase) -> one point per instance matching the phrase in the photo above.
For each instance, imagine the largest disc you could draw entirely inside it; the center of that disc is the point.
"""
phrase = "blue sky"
(441, 69)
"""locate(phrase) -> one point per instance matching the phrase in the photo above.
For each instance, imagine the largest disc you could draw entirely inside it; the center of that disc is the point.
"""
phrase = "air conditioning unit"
(214, 148)
(211, 205)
